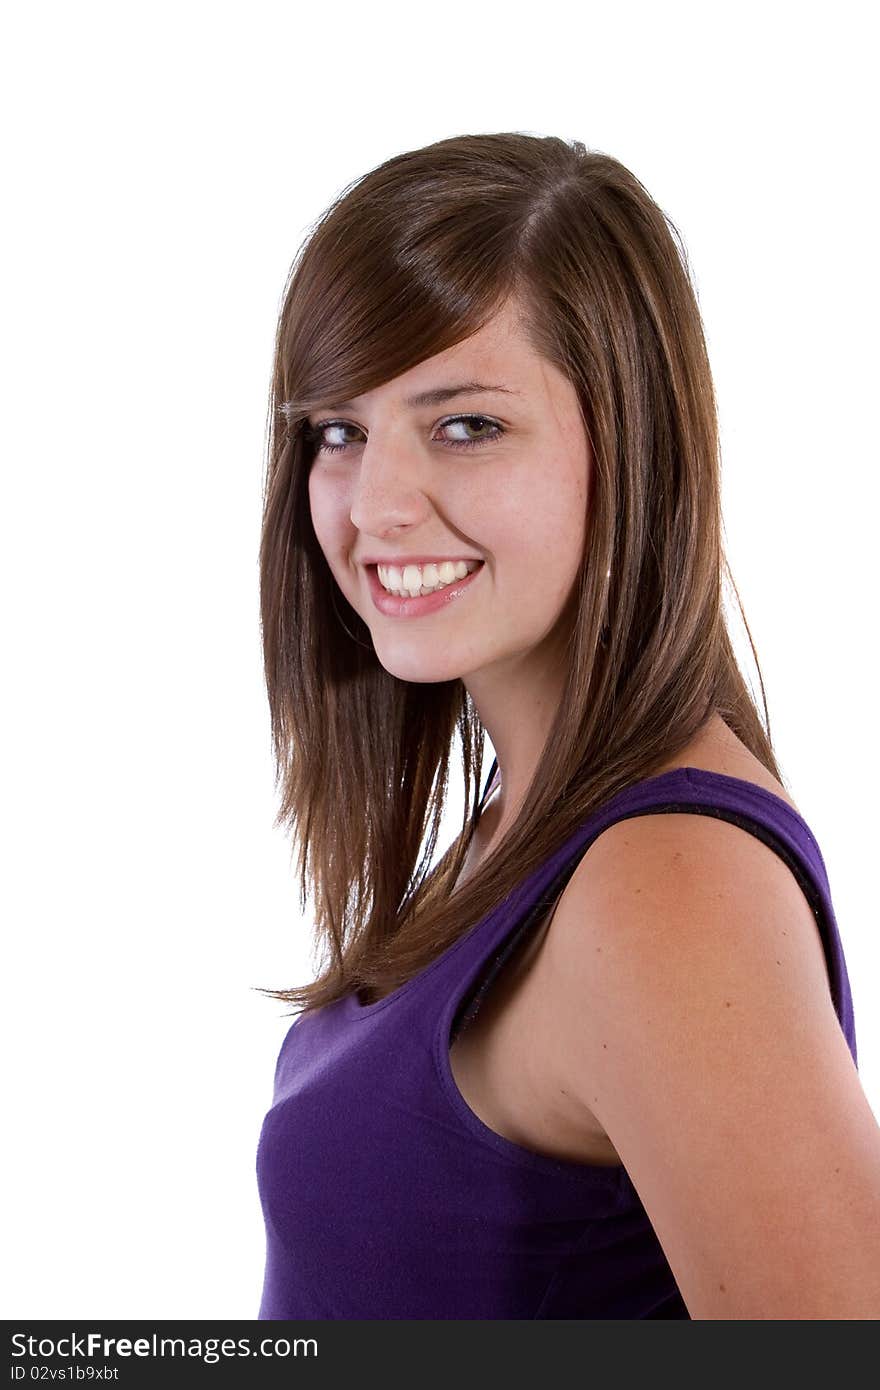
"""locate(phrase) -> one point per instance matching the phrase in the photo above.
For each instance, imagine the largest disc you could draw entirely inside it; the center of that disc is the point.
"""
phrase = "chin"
(427, 668)
(420, 675)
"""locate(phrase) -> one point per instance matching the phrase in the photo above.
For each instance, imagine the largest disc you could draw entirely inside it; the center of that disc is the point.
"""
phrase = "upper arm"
(696, 1024)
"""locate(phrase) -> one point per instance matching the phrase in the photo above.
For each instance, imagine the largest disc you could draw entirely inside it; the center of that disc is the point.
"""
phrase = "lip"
(395, 607)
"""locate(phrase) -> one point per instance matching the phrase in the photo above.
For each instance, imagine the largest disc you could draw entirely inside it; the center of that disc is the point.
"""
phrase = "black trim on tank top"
(470, 1004)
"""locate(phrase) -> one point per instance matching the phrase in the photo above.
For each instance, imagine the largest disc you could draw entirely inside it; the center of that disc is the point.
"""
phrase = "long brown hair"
(410, 260)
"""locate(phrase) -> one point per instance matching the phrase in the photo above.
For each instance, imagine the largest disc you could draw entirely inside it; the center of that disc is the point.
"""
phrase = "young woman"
(599, 1060)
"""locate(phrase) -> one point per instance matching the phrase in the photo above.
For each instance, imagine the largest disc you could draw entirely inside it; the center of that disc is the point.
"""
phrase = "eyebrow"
(439, 394)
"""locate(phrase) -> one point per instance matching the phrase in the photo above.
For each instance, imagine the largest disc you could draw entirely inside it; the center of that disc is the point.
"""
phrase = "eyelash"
(314, 434)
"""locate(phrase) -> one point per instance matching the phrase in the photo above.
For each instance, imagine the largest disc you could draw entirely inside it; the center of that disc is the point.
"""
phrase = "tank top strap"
(478, 958)
(486, 789)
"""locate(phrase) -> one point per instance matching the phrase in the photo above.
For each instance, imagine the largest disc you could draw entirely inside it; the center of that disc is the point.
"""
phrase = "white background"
(162, 163)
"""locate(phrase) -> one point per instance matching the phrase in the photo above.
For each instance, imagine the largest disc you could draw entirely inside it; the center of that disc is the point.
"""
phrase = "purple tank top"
(385, 1196)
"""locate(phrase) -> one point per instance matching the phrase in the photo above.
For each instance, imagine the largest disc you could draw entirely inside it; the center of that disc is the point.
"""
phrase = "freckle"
(779, 962)
(727, 1003)
(604, 1044)
(598, 948)
(837, 1170)
(722, 1288)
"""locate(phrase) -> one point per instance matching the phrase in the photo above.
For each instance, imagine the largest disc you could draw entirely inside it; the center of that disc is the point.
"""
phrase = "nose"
(387, 490)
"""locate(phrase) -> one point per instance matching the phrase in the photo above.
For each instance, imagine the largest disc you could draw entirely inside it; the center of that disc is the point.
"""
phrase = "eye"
(469, 420)
(316, 434)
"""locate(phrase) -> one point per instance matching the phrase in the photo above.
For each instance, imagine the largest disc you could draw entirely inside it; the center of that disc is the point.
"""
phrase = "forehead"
(498, 357)
(501, 343)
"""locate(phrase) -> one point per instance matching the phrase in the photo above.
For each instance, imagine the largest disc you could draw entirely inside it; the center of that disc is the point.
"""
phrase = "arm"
(696, 1024)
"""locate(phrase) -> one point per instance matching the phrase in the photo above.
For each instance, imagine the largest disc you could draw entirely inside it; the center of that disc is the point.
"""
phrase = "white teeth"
(423, 579)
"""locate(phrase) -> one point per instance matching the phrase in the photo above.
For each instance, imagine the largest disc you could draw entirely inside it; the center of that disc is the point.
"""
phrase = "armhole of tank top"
(469, 1005)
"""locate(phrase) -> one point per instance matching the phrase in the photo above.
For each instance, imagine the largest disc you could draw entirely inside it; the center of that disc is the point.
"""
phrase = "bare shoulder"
(694, 1022)
(716, 748)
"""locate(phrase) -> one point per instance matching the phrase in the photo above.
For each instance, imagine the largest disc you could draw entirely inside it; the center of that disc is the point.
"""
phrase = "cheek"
(543, 521)
(564, 505)
(328, 513)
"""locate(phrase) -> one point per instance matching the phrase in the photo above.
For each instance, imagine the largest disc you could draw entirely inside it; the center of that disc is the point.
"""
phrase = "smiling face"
(500, 476)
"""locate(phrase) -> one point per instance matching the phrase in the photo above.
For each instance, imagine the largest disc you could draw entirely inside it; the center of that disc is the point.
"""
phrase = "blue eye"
(315, 434)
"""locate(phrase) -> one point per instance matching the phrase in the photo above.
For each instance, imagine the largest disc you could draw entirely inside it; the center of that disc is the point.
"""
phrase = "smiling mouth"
(416, 603)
